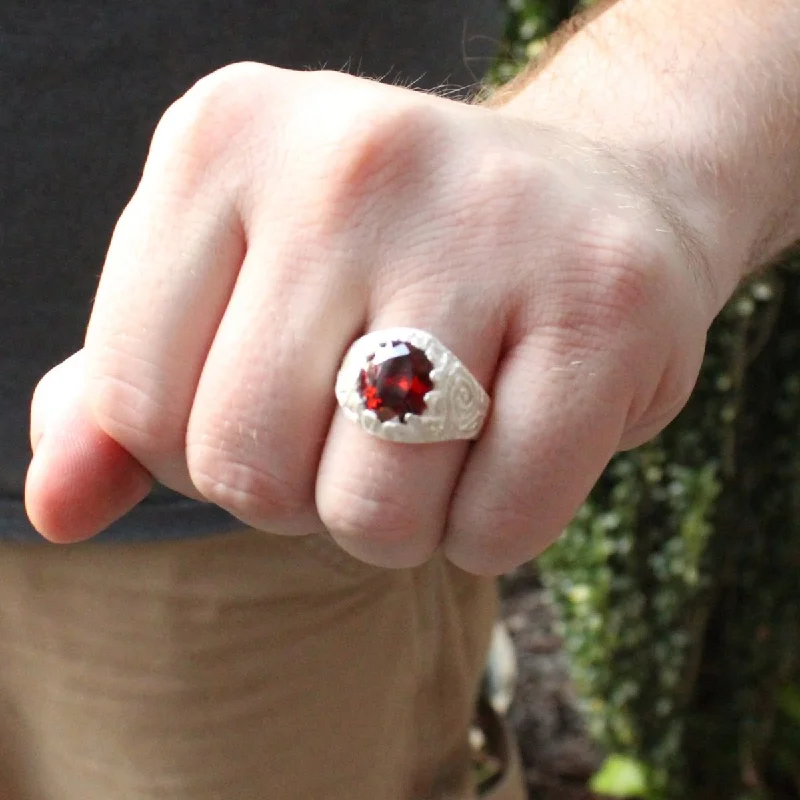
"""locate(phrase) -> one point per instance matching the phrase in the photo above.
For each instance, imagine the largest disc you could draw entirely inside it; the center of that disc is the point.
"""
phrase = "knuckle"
(247, 490)
(504, 185)
(373, 147)
(131, 415)
(495, 539)
(375, 520)
(204, 124)
(611, 283)
(620, 260)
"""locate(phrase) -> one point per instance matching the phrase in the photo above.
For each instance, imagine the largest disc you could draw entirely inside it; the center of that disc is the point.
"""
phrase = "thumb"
(80, 480)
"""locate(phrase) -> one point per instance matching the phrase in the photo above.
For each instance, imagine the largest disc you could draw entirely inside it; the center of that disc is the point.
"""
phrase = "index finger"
(171, 266)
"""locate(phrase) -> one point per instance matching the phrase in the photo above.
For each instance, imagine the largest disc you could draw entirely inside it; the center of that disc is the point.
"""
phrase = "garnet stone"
(395, 381)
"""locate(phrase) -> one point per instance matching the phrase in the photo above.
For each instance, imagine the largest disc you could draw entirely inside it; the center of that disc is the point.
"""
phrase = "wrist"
(702, 104)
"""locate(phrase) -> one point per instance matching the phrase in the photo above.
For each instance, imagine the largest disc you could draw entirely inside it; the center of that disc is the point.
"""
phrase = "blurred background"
(659, 639)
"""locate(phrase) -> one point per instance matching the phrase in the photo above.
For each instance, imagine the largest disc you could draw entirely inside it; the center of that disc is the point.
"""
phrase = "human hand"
(282, 214)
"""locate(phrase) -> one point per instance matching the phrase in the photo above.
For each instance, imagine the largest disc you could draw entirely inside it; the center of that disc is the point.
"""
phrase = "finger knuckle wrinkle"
(354, 515)
(244, 489)
(622, 267)
(127, 412)
(505, 519)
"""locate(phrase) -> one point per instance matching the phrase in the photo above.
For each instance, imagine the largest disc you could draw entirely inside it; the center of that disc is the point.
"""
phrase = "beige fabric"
(238, 667)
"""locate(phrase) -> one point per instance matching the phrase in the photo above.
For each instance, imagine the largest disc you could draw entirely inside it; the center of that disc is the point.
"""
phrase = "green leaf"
(789, 702)
(621, 776)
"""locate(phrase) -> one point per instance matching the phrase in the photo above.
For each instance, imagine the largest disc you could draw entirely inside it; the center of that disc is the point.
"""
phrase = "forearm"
(705, 98)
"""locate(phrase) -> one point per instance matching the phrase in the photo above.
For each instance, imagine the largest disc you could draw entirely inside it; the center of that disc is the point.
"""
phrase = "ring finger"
(386, 502)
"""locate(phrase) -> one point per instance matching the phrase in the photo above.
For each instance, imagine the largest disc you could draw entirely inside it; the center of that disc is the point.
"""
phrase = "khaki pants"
(238, 667)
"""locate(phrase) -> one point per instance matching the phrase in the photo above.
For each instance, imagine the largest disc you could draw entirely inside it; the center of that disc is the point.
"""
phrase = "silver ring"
(404, 385)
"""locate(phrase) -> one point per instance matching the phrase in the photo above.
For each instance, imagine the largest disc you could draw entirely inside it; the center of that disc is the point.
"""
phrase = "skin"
(571, 240)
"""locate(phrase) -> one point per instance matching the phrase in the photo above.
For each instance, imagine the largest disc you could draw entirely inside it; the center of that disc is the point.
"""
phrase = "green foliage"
(629, 645)
(529, 23)
(621, 777)
(676, 581)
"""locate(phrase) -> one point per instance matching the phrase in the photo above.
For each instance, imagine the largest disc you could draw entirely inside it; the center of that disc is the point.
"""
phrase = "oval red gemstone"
(395, 381)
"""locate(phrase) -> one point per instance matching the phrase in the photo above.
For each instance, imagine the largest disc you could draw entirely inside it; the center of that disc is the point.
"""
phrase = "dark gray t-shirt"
(83, 84)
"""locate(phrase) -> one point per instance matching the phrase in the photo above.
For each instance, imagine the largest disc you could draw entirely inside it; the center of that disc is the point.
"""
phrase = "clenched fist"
(280, 216)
